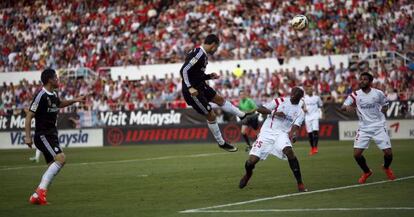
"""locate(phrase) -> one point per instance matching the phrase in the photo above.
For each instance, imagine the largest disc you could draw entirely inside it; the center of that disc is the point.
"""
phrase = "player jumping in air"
(199, 94)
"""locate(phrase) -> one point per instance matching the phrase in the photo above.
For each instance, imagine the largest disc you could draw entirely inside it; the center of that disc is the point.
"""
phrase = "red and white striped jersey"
(368, 106)
(294, 115)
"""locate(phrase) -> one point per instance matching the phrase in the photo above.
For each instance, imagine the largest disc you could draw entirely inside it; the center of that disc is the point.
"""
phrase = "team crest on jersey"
(193, 61)
(48, 101)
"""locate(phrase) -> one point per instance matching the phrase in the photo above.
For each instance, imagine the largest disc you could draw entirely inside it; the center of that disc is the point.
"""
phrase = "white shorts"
(380, 136)
(267, 144)
(312, 125)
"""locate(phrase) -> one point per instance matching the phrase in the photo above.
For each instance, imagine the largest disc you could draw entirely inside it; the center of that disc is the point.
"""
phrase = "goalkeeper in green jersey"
(248, 105)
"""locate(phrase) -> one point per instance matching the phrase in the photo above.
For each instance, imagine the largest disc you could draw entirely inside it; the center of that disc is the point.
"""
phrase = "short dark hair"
(370, 77)
(47, 74)
(212, 39)
(299, 90)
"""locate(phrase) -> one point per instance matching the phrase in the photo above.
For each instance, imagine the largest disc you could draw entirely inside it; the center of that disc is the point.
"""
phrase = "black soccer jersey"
(45, 105)
(193, 70)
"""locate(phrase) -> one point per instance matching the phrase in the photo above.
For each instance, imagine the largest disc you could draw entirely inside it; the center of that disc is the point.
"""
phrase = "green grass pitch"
(162, 180)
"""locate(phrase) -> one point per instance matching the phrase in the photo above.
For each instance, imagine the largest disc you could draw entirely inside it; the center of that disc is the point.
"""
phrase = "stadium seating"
(116, 33)
(98, 34)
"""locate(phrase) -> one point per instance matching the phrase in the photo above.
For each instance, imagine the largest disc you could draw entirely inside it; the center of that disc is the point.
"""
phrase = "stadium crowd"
(72, 33)
(333, 84)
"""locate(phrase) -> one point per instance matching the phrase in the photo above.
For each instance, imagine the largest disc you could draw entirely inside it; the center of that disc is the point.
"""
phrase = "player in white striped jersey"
(278, 132)
(312, 107)
(370, 104)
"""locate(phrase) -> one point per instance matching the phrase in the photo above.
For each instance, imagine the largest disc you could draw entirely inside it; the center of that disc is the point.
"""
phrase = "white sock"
(50, 173)
(37, 156)
(215, 130)
(228, 107)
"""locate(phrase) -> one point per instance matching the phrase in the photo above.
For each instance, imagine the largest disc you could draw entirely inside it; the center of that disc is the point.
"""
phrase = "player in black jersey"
(44, 109)
(198, 94)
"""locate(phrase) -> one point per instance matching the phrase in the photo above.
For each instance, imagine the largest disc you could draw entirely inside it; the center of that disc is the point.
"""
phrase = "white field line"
(305, 210)
(118, 161)
(292, 195)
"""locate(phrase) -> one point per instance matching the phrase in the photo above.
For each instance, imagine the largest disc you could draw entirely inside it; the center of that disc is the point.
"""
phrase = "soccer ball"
(299, 22)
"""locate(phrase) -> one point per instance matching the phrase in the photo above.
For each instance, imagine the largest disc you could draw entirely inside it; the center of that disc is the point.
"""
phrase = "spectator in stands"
(117, 33)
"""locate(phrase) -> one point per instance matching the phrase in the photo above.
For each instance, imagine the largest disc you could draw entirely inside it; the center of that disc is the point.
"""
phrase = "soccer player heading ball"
(199, 94)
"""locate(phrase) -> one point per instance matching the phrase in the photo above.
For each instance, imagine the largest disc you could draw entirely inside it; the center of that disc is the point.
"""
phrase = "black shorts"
(200, 102)
(251, 121)
(48, 145)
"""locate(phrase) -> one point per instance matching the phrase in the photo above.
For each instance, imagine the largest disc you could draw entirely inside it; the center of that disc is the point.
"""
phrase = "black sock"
(315, 138)
(362, 163)
(311, 139)
(387, 161)
(246, 138)
(249, 167)
(294, 166)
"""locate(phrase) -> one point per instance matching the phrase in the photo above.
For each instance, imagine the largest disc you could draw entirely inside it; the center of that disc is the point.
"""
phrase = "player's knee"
(211, 117)
(288, 151)
(252, 160)
(243, 131)
(61, 159)
(219, 100)
(315, 133)
(357, 155)
(387, 152)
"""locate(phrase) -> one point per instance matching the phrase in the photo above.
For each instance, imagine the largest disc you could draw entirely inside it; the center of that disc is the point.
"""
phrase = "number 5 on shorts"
(258, 144)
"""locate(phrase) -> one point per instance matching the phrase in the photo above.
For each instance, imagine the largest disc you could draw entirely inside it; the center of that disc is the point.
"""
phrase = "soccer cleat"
(34, 199)
(364, 177)
(41, 196)
(301, 188)
(389, 172)
(246, 114)
(245, 179)
(315, 149)
(34, 159)
(312, 151)
(230, 148)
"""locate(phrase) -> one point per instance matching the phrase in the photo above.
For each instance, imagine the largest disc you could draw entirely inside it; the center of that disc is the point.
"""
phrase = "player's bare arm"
(304, 109)
(266, 111)
(349, 108)
(65, 103)
(214, 76)
(384, 109)
(263, 110)
(293, 133)
(27, 127)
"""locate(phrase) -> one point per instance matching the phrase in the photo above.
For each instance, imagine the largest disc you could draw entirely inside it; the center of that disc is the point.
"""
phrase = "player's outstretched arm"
(212, 76)
(263, 110)
(65, 103)
(28, 128)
